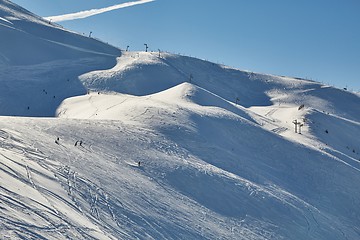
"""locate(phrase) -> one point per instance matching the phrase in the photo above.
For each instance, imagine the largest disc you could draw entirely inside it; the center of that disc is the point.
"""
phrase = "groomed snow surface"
(96, 143)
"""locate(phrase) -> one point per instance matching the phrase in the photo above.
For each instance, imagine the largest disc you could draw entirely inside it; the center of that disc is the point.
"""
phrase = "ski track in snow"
(64, 176)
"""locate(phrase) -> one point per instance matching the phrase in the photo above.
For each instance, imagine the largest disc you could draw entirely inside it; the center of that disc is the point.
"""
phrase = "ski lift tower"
(300, 125)
(296, 125)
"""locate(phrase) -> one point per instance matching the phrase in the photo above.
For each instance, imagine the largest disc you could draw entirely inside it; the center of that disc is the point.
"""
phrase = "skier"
(80, 143)
(76, 143)
(57, 140)
(139, 163)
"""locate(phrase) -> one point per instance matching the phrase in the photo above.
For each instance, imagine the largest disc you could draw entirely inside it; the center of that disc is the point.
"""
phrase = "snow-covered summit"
(166, 147)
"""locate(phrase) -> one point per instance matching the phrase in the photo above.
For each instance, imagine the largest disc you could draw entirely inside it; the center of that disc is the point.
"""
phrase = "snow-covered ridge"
(40, 63)
(166, 147)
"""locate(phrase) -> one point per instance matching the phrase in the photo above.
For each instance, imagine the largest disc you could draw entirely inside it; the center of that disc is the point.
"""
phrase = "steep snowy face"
(27, 39)
(14, 12)
(40, 62)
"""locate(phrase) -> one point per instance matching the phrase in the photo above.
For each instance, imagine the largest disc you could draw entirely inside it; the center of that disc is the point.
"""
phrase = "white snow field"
(219, 157)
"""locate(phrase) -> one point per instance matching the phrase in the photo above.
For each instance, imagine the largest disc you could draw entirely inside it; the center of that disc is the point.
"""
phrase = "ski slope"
(219, 158)
(40, 62)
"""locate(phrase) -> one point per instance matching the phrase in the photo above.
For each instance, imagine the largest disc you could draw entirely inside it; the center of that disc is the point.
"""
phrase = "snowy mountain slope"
(273, 101)
(207, 165)
(125, 107)
(338, 136)
(219, 156)
(140, 73)
(38, 90)
(228, 142)
(40, 63)
(39, 41)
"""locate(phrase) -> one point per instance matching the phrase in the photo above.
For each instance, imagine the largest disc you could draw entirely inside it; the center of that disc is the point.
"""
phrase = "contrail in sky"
(92, 12)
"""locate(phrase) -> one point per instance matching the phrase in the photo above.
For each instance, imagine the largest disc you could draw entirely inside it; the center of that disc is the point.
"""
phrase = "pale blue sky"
(315, 39)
